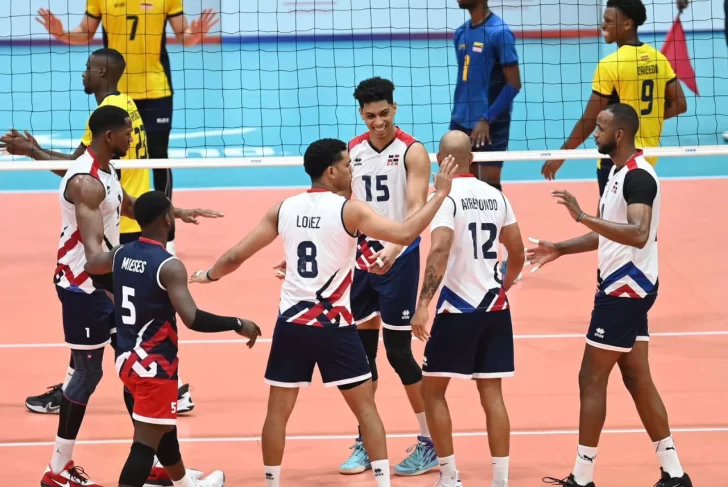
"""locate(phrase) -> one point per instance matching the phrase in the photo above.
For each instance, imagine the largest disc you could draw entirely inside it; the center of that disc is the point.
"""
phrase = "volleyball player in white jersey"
(391, 173)
(625, 236)
(472, 334)
(315, 325)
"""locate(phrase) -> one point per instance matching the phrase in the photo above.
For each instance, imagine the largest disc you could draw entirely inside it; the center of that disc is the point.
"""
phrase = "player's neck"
(633, 40)
(102, 156)
(478, 14)
(621, 155)
(380, 142)
(320, 185)
(158, 236)
(101, 95)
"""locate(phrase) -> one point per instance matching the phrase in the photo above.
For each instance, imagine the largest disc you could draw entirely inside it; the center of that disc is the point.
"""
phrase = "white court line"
(275, 188)
(250, 439)
(226, 341)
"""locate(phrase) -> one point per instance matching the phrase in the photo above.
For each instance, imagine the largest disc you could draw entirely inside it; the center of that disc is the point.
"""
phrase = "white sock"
(584, 467)
(273, 476)
(447, 465)
(500, 471)
(186, 481)
(667, 454)
(381, 472)
(69, 374)
(422, 419)
(62, 454)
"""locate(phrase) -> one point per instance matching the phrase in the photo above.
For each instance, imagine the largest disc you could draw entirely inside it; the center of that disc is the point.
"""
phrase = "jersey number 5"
(307, 265)
(488, 244)
(126, 304)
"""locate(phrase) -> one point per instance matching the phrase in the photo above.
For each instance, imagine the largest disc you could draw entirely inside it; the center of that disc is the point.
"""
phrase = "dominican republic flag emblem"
(393, 160)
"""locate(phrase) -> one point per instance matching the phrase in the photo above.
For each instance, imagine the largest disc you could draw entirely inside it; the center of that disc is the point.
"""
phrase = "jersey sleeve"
(445, 216)
(173, 8)
(93, 8)
(639, 187)
(510, 216)
(603, 83)
(504, 44)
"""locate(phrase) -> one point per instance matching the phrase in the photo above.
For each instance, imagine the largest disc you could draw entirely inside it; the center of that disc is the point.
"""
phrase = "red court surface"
(551, 310)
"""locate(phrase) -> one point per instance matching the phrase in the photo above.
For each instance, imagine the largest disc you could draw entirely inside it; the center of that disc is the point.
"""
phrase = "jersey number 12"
(488, 244)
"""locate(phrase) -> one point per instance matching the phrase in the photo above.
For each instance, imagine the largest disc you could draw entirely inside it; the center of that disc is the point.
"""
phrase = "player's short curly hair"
(373, 90)
(321, 155)
(632, 9)
(107, 117)
(150, 207)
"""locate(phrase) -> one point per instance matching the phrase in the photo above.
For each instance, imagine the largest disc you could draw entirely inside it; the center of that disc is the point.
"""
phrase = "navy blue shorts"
(500, 132)
(156, 114)
(393, 295)
(475, 345)
(297, 349)
(87, 318)
(617, 323)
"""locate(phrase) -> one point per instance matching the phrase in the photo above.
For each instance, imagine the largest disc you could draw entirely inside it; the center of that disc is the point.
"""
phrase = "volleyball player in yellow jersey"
(636, 74)
(137, 29)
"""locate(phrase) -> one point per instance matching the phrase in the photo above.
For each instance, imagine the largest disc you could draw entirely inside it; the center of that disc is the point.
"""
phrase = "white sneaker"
(449, 480)
(184, 400)
(215, 479)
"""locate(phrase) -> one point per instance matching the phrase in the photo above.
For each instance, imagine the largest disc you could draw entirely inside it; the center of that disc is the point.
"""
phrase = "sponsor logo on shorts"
(406, 314)
(599, 333)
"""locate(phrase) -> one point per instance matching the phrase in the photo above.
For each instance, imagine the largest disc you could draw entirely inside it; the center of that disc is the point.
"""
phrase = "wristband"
(209, 323)
(583, 214)
(207, 275)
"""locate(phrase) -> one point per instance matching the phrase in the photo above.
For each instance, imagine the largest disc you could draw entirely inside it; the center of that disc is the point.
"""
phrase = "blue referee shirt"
(482, 51)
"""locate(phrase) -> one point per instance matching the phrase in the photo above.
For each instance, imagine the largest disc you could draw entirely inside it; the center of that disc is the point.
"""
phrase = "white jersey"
(319, 253)
(626, 271)
(475, 212)
(71, 257)
(380, 179)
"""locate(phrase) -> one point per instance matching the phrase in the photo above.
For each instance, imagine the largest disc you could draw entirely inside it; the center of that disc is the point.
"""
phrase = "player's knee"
(398, 344)
(168, 452)
(137, 467)
(591, 381)
(370, 340)
(86, 377)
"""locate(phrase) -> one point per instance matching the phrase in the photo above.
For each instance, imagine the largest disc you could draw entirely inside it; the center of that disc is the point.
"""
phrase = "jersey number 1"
(488, 244)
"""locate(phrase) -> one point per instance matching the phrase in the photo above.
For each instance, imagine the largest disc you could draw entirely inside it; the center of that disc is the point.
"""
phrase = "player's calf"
(498, 426)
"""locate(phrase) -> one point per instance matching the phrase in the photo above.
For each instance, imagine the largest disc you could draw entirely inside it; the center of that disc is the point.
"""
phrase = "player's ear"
(394, 108)
(472, 156)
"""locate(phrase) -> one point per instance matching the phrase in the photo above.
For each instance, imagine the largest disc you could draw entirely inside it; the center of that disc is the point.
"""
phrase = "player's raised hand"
(549, 168)
(50, 22)
(542, 254)
(569, 201)
(190, 216)
(443, 179)
(200, 277)
(202, 25)
(17, 144)
(419, 322)
(249, 330)
(280, 269)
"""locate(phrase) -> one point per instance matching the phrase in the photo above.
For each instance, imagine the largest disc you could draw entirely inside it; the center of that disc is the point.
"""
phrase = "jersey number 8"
(307, 265)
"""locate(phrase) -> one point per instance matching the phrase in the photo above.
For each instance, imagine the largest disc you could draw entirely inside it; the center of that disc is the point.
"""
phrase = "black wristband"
(207, 274)
(209, 323)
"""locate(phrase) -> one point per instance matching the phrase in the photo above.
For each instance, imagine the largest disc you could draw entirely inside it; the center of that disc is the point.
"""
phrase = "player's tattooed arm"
(87, 193)
(436, 264)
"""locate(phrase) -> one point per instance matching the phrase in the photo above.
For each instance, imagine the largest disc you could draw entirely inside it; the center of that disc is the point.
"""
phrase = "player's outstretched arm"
(81, 35)
(17, 144)
(510, 237)
(173, 277)
(187, 216)
(358, 215)
(262, 235)
(87, 193)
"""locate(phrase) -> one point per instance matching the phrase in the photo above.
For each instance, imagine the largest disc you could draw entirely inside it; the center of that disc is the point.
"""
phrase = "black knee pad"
(168, 452)
(398, 344)
(370, 340)
(86, 376)
(138, 465)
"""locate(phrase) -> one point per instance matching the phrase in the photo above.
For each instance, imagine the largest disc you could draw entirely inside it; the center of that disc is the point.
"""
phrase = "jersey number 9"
(307, 265)
(648, 93)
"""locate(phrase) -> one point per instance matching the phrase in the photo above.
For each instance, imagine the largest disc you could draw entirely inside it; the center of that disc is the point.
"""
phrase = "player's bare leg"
(498, 426)
(488, 174)
(637, 378)
(361, 402)
(440, 426)
(281, 401)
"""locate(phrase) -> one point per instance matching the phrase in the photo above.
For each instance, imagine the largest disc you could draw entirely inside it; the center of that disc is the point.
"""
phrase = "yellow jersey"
(135, 182)
(137, 29)
(637, 76)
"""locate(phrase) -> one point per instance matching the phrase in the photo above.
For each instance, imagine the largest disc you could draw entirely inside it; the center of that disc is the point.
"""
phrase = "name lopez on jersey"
(133, 265)
(308, 221)
(478, 204)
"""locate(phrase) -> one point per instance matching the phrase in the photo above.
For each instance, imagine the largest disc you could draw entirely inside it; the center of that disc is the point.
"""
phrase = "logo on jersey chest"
(615, 187)
(357, 162)
(393, 160)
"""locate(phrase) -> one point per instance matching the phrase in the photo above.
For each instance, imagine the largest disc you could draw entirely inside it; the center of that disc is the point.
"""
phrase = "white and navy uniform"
(472, 334)
(627, 278)
(147, 343)
(380, 179)
(315, 325)
(88, 313)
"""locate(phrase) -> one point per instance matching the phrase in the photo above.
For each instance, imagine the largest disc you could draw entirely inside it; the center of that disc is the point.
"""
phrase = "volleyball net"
(273, 76)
